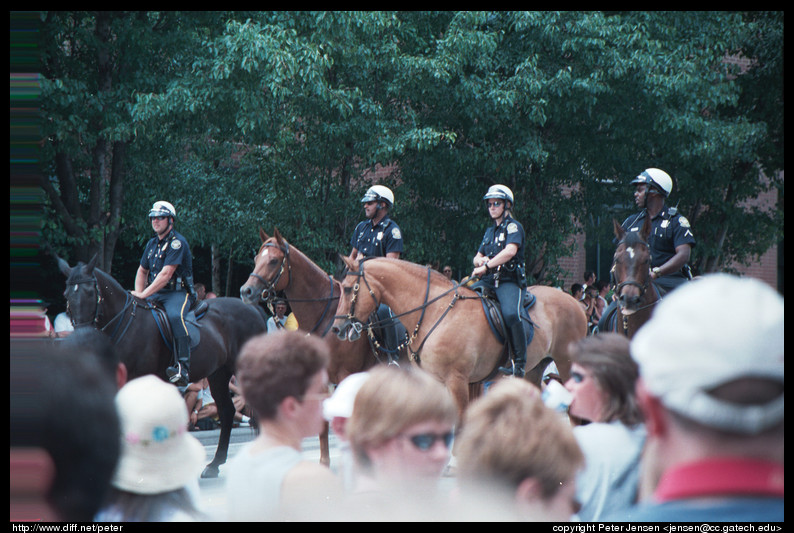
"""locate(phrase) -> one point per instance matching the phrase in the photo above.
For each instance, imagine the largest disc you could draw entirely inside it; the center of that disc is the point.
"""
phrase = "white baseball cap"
(707, 333)
(340, 404)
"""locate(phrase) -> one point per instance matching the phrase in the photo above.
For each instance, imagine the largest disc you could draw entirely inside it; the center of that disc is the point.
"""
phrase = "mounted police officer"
(499, 263)
(165, 276)
(671, 239)
(379, 236)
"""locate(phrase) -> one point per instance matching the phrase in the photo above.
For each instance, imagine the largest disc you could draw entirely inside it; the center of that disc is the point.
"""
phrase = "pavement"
(213, 491)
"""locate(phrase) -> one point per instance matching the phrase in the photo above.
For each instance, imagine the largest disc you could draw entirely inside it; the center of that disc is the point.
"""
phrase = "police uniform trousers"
(176, 304)
(509, 293)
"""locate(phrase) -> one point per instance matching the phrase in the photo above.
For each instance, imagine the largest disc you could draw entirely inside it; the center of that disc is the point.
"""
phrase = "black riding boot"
(517, 338)
(179, 374)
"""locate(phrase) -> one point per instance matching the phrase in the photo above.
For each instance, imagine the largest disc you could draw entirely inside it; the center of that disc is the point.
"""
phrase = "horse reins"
(643, 287)
(357, 324)
(95, 321)
(270, 286)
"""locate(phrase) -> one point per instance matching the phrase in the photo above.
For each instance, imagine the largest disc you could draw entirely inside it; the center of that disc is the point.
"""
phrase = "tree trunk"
(216, 269)
(229, 273)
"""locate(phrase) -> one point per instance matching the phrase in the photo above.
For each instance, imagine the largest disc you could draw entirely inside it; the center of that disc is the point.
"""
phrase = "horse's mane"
(273, 241)
(420, 269)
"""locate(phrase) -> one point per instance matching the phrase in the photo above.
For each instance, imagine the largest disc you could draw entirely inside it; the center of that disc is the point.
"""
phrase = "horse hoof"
(210, 472)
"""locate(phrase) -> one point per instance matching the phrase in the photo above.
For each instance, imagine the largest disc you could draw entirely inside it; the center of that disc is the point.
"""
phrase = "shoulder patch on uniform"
(395, 233)
(176, 245)
(512, 227)
(683, 222)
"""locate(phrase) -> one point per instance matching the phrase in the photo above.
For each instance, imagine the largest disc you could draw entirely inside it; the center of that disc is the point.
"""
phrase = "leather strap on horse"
(270, 288)
(414, 355)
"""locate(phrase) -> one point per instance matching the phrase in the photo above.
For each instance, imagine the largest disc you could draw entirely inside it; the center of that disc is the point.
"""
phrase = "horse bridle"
(269, 292)
(95, 320)
(358, 325)
(628, 283)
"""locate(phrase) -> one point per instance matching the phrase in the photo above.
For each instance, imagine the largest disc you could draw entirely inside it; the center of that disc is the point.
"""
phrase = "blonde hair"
(510, 435)
(391, 400)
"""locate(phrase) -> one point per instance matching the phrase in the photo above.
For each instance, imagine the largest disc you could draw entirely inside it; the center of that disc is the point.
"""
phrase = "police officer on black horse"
(671, 239)
(165, 276)
(499, 263)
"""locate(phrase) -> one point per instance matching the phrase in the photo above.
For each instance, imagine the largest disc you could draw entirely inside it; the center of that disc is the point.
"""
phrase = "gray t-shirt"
(610, 479)
(253, 484)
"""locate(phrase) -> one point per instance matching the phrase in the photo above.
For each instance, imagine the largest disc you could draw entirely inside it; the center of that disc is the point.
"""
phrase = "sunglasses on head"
(157, 218)
(425, 441)
(497, 203)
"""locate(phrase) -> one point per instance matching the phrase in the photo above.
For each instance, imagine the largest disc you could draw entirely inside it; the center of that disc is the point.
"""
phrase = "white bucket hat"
(709, 332)
(157, 452)
(340, 404)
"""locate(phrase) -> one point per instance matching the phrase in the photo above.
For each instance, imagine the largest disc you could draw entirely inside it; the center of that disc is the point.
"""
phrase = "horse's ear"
(645, 232)
(349, 263)
(91, 264)
(619, 231)
(64, 266)
(263, 235)
(278, 237)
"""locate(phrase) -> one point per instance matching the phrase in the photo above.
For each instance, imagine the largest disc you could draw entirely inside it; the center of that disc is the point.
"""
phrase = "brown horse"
(313, 296)
(636, 294)
(450, 334)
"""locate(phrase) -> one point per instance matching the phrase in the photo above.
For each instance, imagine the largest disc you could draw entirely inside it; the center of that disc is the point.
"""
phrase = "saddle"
(192, 317)
(493, 312)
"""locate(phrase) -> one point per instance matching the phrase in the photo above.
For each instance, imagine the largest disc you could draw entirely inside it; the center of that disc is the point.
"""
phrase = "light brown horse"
(635, 291)
(313, 296)
(450, 334)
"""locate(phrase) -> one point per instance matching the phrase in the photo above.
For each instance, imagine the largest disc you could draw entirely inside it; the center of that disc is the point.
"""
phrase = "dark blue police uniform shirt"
(378, 240)
(171, 250)
(496, 238)
(667, 232)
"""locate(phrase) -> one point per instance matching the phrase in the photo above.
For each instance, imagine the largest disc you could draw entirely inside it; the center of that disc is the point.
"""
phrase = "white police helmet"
(499, 192)
(162, 209)
(656, 177)
(378, 193)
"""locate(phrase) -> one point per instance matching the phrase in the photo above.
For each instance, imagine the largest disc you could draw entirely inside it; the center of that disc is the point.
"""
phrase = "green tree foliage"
(281, 119)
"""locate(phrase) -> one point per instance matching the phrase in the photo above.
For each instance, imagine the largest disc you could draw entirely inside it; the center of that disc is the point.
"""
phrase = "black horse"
(95, 299)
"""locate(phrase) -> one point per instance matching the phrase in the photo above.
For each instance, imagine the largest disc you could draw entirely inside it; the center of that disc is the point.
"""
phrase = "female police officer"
(500, 263)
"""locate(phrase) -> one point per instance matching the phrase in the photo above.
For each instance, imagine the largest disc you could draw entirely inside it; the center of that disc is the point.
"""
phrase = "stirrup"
(512, 370)
(174, 373)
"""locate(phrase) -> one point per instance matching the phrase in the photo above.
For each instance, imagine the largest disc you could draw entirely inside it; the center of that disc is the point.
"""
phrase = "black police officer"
(671, 239)
(165, 276)
(379, 236)
(500, 263)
